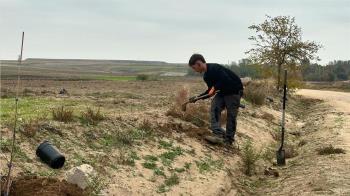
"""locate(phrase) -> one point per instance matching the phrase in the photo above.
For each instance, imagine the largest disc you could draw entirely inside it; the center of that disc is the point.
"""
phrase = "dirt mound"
(32, 185)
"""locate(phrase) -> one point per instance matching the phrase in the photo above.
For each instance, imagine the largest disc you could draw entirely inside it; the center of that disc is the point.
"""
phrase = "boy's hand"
(211, 91)
(192, 99)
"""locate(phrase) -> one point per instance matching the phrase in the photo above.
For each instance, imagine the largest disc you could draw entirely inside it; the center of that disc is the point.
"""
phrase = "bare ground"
(325, 123)
(211, 169)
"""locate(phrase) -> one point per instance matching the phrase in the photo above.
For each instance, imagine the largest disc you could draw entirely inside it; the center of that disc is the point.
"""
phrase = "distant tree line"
(336, 70)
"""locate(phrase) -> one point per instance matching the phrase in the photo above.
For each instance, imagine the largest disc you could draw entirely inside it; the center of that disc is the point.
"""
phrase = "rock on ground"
(80, 175)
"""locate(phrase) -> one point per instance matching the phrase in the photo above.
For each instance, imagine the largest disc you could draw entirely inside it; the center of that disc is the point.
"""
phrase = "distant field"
(335, 86)
(115, 78)
(87, 69)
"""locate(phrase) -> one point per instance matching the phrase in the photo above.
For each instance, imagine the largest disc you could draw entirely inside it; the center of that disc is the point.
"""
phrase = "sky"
(164, 30)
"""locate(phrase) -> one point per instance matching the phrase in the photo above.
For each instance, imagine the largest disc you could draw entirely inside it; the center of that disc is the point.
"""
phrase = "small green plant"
(124, 158)
(159, 172)
(163, 188)
(134, 155)
(5, 145)
(330, 150)
(187, 165)
(47, 173)
(96, 184)
(168, 183)
(62, 114)
(150, 158)
(149, 165)
(208, 164)
(168, 157)
(165, 144)
(172, 180)
(249, 158)
(90, 117)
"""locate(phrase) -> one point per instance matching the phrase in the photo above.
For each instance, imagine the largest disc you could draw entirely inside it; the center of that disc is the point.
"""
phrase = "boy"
(229, 85)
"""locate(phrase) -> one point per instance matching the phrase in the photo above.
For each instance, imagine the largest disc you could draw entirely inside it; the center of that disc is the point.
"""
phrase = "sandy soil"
(126, 104)
(326, 122)
(338, 171)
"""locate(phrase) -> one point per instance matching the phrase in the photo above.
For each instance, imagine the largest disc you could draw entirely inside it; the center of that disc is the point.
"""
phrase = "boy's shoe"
(214, 139)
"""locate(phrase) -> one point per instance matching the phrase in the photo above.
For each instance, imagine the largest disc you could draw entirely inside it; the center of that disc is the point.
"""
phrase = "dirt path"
(340, 101)
(337, 169)
(325, 123)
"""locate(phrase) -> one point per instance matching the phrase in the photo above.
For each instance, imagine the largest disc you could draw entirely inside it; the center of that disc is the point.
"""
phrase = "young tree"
(278, 42)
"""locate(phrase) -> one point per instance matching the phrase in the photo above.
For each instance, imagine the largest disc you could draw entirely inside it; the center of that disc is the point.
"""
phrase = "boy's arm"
(209, 93)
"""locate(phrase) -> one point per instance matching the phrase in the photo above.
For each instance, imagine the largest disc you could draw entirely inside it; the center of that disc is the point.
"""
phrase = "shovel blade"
(183, 107)
(281, 158)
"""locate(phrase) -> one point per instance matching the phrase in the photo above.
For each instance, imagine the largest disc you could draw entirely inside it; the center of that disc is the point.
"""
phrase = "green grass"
(6, 146)
(159, 172)
(168, 183)
(115, 78)
(168, 157)
(34, 107)
(125, 138)
(208, 164)
(165, 144)
(149, 165)
(150, 158)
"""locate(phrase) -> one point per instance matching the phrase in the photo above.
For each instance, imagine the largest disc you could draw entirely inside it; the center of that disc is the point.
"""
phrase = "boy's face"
(198, 66)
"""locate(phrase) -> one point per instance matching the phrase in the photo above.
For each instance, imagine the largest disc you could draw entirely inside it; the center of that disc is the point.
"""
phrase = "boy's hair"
(194, 58)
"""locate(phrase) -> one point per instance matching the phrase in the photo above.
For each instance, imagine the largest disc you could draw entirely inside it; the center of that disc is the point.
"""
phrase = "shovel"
(281, 158)
(184, 105)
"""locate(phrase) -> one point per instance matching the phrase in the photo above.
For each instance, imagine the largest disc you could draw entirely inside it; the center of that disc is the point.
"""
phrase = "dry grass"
(182, 96)
(62, 114)
(290, 151)
(92, 117)
(197, 113)
(30, 128)
(330, 150)
(256, 91)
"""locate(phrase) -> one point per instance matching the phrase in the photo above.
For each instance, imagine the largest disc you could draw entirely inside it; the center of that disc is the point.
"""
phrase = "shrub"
(62, 114)
(249, 158)
(256, 92)
(91, 117)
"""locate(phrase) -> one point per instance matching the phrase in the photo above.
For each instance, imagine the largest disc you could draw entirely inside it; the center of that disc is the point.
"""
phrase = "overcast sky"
(162, 30)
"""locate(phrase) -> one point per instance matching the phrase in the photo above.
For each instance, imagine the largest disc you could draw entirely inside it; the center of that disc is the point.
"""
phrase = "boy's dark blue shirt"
(223, 79)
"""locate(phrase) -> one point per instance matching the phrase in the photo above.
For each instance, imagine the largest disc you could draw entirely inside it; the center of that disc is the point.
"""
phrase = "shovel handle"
(206, 96)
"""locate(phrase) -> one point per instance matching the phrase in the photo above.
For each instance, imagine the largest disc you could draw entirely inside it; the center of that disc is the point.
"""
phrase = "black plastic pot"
(50, 155)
